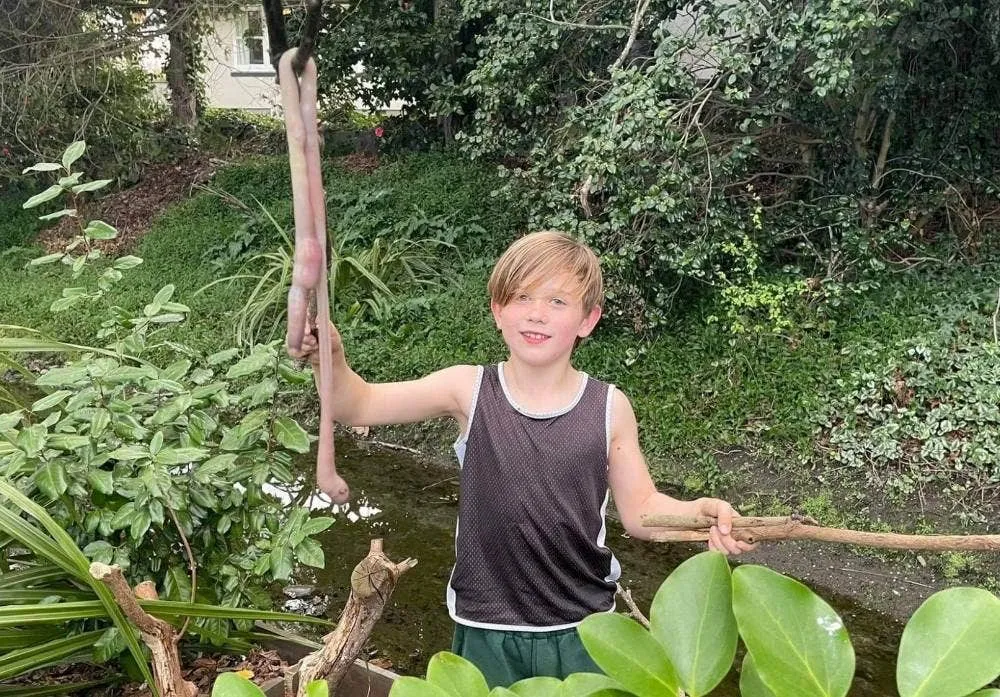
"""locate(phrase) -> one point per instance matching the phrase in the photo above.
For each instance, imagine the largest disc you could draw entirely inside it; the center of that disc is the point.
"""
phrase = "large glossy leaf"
(628, 653)
(950, 645)
(456, 676)
(537, 687)
(415, 687)
(692, 616)
(750, 683)
(799, 644)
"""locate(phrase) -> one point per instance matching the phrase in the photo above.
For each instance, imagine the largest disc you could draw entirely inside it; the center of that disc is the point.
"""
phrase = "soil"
(132, 210)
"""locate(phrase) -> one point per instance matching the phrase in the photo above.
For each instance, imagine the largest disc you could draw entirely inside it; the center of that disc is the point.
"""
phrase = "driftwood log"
(753, 529)
(372, 582)
(158, 635)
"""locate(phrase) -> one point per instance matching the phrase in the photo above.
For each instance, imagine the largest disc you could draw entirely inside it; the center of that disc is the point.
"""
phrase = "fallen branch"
(158, 635)
(372, 582)
(753, 530)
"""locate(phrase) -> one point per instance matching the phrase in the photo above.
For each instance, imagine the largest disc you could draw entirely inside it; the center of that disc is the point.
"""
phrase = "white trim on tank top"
(463, 438)
(541, 414)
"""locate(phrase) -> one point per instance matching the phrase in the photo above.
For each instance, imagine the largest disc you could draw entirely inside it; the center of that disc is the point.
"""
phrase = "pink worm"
(309, 265)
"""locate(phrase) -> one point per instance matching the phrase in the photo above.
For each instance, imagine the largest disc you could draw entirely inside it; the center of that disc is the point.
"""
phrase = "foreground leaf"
(949, 646)
(692, 616)
(750, 683)
(456, 675)
(799, 645)
(629, 654)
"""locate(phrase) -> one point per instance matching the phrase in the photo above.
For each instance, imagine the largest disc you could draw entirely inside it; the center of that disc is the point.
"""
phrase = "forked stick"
(752, 530)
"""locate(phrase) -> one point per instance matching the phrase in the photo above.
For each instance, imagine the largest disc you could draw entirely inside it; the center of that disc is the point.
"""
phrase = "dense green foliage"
(796, 644)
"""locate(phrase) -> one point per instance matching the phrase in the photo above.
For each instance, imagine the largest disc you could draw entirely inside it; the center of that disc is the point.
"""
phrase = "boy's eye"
(523, 297)
(558, 301)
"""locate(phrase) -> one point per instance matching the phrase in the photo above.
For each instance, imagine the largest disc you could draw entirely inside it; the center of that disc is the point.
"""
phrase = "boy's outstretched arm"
(636, 496)
(447, 392)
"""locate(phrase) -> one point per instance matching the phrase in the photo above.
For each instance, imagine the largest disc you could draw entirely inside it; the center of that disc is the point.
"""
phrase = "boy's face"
(541, 323)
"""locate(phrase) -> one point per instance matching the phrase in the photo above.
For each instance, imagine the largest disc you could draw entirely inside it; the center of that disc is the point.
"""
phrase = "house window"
(251, 42)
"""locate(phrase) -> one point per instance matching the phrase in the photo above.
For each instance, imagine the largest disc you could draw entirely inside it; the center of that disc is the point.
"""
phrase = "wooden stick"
(158, 635)
(372, 582)
(674, 529)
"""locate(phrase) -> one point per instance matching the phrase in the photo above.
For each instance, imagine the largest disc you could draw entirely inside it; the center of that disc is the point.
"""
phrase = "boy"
(542, 447)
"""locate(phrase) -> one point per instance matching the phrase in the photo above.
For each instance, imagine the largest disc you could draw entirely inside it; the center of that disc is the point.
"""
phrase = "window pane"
(255, 47)
(254, 25)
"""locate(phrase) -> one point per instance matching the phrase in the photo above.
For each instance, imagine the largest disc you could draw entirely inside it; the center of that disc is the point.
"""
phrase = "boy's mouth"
(534, 337)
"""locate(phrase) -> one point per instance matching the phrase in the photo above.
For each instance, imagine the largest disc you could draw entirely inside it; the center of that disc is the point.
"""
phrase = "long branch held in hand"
(753, 530)
(298, 100)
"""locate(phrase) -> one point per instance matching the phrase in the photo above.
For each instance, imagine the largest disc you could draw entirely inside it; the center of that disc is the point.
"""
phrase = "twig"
(751, 530)
(640, 11)
(633, 609)
(310, 30)
(430, 486)
(191, 565)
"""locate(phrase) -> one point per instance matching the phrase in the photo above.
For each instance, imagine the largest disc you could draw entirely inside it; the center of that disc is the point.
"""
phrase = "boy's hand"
(310, 345)
(720, 536)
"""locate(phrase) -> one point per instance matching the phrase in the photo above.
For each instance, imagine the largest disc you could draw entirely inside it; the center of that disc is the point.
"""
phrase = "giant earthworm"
(309, 264)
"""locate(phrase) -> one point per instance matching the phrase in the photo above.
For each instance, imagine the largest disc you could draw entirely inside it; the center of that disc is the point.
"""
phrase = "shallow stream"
(412, 505)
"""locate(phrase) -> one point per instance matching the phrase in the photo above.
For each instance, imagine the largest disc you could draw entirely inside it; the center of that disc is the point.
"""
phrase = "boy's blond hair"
(544, 254)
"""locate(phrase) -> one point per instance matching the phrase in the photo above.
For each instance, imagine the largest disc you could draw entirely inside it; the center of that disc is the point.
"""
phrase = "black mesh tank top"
(530, 552)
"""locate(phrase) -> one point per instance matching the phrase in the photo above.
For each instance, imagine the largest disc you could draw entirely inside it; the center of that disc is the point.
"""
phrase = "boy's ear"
(590, 321)
(495, 308)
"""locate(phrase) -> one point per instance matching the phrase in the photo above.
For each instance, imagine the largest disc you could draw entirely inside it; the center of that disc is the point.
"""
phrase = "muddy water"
(412, 506)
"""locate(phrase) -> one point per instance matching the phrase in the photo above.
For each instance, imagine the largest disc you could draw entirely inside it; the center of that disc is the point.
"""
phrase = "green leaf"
(47, 259)
(291, 435)
(177, 584)
(127, 453)
(100, 230)
(58, 214)
(253, 363)
(141, 521)
(164, 294)
(692, 617)
(126, 262)
(42, 167)
(205, 472)
(91, 186)
(69, 375)
(99, 421)
(101, 480)
(47, 195)
(50, 401)
(541, 686)
(593, 685)
(69, 180)
(625, 651)
(171, 410)
(33, 657)
(750, 683)
(799, 644)
(310, 553)
(67, 442)
(32, 439)
(281, 562)
(178, 456)
(233, 685)
(318, 688)
(314, 526)
(223, 356)
(73, 153)
(949, 646)
(290, 375)
(109, 646)
(407, 686)
(456, 675)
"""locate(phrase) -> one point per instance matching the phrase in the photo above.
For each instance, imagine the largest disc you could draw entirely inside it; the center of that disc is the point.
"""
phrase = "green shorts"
(506, 657)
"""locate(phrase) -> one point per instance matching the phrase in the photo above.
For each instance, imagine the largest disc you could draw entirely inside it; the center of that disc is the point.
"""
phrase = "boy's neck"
(541, 388)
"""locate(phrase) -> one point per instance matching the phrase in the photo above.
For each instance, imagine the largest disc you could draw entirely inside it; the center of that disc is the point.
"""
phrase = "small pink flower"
(379, 131)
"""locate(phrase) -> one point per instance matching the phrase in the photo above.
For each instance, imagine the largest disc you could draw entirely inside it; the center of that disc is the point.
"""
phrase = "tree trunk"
(183, 102)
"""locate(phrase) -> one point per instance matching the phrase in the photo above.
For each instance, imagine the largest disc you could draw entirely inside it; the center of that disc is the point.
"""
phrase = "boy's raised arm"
(447, 392)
